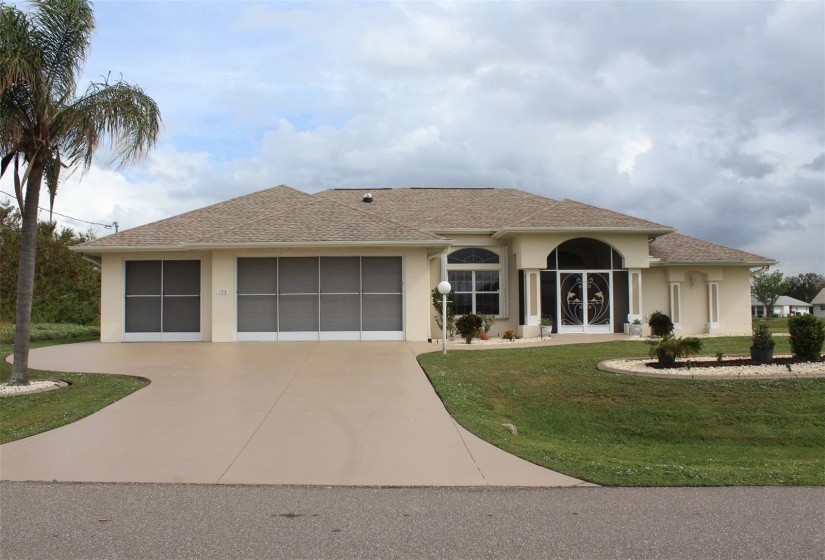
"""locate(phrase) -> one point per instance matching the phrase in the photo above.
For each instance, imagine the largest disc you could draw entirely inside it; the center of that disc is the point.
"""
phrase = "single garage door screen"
(320, 298)
(162, 301)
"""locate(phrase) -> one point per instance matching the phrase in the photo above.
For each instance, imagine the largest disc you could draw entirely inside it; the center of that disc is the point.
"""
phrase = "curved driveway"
(330, 413)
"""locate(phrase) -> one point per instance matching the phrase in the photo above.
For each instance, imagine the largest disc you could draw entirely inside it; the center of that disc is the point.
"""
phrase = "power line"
(107, 226)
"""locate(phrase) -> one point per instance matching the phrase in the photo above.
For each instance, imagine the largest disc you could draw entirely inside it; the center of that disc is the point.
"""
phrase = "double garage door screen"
(326, 298)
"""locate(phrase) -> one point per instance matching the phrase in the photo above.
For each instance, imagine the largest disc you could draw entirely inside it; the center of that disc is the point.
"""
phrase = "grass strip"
(27, 415)
(633, 431)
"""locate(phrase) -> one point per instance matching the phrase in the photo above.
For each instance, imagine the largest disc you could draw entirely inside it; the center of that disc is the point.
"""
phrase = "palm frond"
(19, 56)
(62, 32)
(119, 113)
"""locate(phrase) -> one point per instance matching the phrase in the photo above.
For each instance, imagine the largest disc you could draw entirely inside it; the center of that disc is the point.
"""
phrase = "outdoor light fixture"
(444, 288)
(692, 280)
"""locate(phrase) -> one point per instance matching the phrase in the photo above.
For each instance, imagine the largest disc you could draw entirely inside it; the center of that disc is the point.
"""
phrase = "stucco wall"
(532, 249)
(734, 296)
(112, 290)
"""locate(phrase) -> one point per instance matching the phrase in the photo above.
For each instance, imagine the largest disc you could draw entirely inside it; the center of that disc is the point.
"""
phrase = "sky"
(705, 116)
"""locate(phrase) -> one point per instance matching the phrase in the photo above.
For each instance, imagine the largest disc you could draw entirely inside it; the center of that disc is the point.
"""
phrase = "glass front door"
(584, 302)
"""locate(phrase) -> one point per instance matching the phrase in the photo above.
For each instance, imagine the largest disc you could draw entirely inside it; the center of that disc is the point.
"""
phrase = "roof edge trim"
(265, 245)
(630, 230)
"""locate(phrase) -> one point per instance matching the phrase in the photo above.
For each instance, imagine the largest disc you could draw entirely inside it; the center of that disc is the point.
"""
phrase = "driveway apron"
(329, 413)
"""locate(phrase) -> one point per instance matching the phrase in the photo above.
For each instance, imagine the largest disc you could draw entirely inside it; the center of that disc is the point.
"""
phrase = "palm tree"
(45, 126)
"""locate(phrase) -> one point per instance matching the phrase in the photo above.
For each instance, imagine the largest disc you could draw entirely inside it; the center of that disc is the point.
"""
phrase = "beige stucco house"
(281, 264)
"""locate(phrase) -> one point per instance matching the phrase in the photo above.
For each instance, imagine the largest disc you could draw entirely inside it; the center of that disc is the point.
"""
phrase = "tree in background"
(66, 287)
(766, 287)
(46, 127)
(804, 287)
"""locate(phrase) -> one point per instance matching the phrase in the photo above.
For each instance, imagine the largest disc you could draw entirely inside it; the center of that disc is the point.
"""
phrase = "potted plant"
(488, 321)
(636, 328)
(762, 344)
(669, 348)
(546, 326)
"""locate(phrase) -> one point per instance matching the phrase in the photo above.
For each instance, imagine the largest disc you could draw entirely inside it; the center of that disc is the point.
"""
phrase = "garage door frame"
(320, 334)
(162, 335)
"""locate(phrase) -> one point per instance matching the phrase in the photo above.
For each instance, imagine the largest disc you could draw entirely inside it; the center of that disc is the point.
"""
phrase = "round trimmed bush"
(807, 337)
(469, 326)
(660, 324)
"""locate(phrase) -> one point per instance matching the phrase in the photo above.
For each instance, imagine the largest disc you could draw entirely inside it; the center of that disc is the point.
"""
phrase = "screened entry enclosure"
(320, 298)
(162, 301)
(584, 288)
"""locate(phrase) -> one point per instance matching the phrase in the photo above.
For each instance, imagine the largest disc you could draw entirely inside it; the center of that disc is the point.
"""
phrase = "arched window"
(475, 276)
(584, 254)
(472, 255)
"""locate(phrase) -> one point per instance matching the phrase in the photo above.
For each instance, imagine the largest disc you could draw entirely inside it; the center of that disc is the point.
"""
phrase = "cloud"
(709, 116)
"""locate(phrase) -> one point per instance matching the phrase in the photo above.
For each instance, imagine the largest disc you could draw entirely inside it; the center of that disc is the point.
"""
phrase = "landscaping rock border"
(639, 367)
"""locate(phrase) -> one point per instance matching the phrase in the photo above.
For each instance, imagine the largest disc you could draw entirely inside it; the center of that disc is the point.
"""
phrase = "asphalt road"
(67, 521)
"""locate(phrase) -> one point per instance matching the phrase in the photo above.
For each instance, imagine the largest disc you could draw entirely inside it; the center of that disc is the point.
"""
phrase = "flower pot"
(762, 355)
(484, 336)
(665, 360)
(635, 330)
(546, 331)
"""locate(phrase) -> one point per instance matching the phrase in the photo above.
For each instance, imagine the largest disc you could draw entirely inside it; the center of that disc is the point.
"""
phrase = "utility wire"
(107, 226)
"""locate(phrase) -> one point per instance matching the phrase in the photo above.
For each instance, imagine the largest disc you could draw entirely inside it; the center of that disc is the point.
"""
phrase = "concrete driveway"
(331, 413)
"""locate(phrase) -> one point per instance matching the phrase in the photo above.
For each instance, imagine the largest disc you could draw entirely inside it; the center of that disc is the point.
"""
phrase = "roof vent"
(367, 197)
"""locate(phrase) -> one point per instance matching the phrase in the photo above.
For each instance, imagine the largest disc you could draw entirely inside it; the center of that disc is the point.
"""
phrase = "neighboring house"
(281, 264)
(818, 304)
(785, 306)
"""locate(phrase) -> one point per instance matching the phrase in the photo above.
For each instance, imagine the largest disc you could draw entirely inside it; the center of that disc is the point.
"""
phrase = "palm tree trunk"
(25, 277)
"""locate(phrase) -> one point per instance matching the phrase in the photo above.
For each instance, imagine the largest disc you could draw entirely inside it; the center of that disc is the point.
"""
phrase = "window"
(472, 255)
(475, 275)
(476, 291)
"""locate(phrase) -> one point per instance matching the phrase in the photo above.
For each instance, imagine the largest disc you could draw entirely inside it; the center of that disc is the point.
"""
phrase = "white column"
(634, 287)
(675, 291)
(532, 297)
(713, 305)
(443, 267)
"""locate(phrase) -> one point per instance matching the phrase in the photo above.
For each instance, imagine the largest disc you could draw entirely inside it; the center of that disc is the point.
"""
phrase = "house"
(343, 264)
(785, 306)
(818, 304)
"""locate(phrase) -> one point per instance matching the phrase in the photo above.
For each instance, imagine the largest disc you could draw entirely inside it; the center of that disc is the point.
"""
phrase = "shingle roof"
(820, 298)
(283, 215)
(784, 300)
(486, 209)
(278, 215)
(675, 248)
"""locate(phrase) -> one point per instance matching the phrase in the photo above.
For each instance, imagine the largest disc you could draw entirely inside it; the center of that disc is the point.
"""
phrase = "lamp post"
(444, 289)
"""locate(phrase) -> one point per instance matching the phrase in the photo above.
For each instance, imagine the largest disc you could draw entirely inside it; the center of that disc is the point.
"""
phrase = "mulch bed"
(690, 364)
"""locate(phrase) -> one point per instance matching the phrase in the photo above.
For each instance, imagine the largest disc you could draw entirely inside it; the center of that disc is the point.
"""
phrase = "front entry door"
(584, 302)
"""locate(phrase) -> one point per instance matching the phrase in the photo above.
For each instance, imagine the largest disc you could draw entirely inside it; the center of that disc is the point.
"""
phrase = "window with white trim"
(474, 274)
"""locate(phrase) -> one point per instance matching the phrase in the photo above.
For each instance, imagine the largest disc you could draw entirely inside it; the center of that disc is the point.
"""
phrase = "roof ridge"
(311, 200)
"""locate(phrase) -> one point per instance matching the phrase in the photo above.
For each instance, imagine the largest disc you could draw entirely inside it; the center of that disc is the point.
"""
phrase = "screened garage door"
(162, 301)
(320, 298)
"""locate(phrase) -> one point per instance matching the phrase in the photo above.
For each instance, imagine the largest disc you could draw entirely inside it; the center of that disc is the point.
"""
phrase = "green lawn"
(26, 415)
(634, 431)
(775, 324)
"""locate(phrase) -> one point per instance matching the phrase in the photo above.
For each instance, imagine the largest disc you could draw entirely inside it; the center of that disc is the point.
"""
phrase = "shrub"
(762, 338)
(669, 348)
(437, 301)
(660, 324)
(510, 335)
(489, 321)
(50, 331)
(469, 326)
(807, 337)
